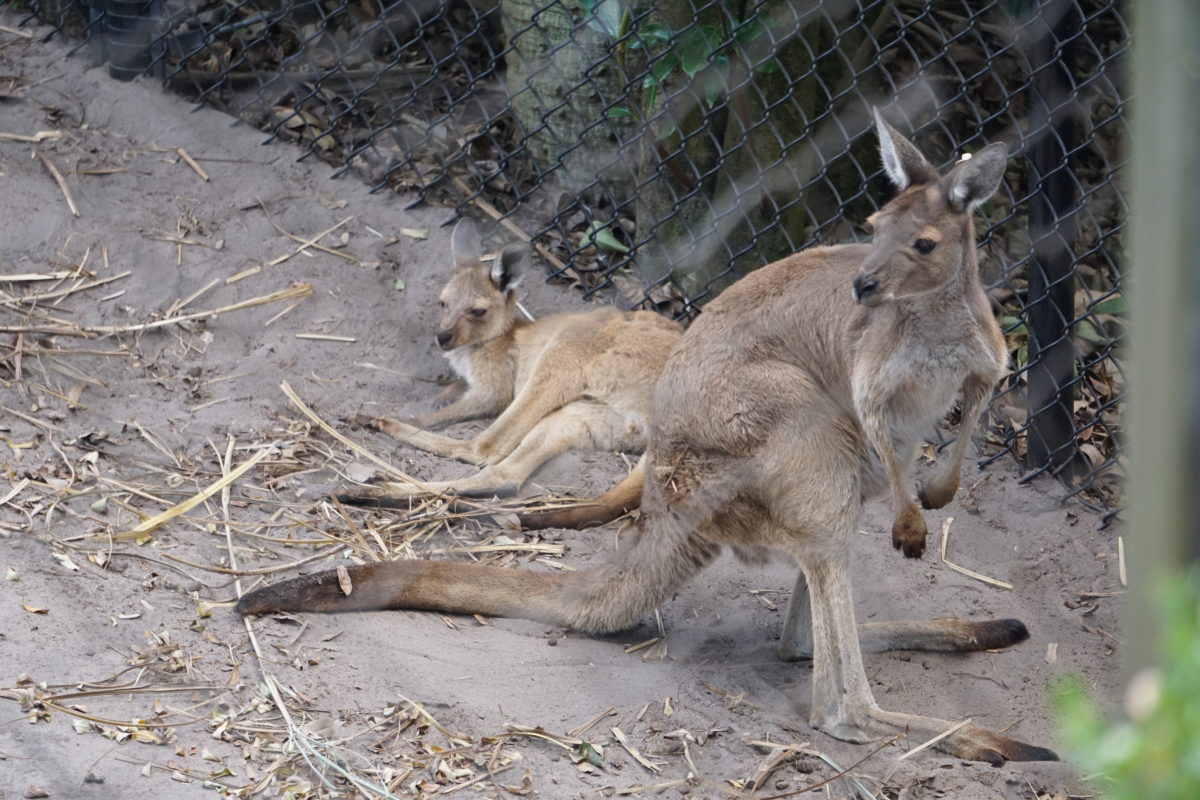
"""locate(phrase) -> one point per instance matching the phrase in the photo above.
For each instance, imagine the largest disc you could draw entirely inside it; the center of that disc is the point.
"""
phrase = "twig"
(301, 290)
(16, 490)
(34, 298)
(923, 746)
(324, 337)
(497, 215)
(31, 420)
(191, 162)
(323, 425)
(333, 551)
(59, 179)
(969, 573)
(841, 773)
(492, 773)
(15, 32)
(313, 242)
(148, 526)
(633, 751)
(40, 136)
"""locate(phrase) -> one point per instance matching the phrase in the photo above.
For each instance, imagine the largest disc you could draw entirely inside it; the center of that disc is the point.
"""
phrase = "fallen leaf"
(525, 788)
(343, 576)
(66, 561)
(33, 609)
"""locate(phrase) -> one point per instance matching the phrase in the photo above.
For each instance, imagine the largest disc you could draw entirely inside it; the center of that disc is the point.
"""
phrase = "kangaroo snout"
(444, 338)
(866, 288)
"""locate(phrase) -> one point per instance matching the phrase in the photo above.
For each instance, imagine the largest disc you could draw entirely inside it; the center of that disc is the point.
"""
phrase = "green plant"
(705, 53)
(1155, 753)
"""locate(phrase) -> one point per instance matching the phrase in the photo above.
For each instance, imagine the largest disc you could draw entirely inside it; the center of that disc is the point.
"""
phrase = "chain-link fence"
(660, 150)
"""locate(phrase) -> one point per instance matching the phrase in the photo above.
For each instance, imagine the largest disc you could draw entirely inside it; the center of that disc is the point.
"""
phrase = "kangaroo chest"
(916, 381)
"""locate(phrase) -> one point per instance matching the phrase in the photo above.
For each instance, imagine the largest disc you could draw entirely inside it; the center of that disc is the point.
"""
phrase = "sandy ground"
(98, 628)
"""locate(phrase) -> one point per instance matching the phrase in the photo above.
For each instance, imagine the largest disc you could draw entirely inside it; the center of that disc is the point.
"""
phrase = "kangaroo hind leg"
(843, 705)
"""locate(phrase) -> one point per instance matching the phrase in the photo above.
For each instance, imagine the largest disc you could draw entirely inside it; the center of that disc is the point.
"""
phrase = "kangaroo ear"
(510, 266)
(902, 161)
(977, 178)
(465, 247)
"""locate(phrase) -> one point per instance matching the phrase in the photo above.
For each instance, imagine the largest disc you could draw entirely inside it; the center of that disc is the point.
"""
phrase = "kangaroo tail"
(610, 598)
(622, 498)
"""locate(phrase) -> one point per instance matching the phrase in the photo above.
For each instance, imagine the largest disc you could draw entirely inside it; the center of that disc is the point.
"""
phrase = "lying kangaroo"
(788, 403)
(579, 380)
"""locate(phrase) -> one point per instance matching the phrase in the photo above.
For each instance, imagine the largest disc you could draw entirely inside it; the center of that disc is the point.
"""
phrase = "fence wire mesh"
(658, 151)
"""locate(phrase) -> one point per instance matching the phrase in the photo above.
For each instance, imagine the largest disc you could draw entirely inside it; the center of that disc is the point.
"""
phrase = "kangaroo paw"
(909, 532)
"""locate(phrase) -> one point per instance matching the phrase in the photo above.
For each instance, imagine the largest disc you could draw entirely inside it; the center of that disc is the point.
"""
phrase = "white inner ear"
(499, 274)
(958, 193)
(891, 160)
(960, 189)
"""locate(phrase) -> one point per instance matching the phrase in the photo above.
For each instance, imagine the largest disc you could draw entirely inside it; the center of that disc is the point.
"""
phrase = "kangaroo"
(576, 380)
(788, 404)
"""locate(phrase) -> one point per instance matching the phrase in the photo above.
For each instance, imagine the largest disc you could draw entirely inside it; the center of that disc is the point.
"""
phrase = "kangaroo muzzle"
(444, 338)
(866, 289)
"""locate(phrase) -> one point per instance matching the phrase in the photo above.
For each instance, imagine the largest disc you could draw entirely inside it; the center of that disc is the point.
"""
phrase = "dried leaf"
(525, 788)
(33, 609)
(65, 560)
(343, 576)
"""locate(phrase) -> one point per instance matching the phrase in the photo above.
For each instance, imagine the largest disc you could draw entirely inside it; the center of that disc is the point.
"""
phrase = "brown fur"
(787, 405)
(581, 380)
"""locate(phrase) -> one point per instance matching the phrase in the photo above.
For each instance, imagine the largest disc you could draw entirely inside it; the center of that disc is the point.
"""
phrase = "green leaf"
(651, 94)
(694, 52)
(714, 86)
(1116, 305)
(590, 754)
(661, 68)
(618, 112)
(748, 30)
(666, 132)
(604, 16)
(601, 236)
(1011, 324)
(399, 284)
(1086, 329)
(650, 34)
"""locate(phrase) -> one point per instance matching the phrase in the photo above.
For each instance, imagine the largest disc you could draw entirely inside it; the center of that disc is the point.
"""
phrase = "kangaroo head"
(924, 236)
(479, 302)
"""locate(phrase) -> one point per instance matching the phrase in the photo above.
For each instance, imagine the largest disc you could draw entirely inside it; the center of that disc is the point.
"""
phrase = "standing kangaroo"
(790, 402)
(578, 380)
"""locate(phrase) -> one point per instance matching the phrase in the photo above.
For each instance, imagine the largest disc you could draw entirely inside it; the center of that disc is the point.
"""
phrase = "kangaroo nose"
(443, 339)
(864, 286)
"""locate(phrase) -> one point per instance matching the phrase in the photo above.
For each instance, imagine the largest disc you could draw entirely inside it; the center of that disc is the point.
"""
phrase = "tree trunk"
(562, 74)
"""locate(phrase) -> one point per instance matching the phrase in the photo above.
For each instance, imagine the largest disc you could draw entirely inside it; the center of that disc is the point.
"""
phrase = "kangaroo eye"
(477, 312)
(924, 246)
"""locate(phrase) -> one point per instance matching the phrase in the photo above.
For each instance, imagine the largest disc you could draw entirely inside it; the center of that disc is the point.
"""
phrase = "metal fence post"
(1053, 199)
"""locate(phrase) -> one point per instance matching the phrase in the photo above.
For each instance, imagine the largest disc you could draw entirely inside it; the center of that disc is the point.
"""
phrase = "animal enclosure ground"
(103, 624)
